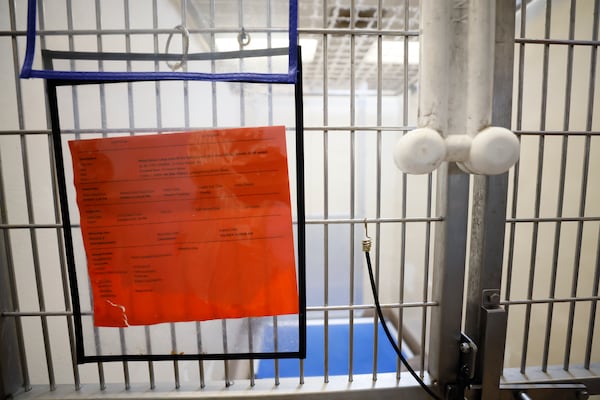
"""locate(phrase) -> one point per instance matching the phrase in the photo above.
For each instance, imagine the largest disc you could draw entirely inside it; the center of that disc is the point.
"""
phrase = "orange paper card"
(187, 226)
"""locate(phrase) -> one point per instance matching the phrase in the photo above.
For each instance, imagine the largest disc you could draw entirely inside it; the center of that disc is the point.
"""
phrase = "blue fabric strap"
(27, 70)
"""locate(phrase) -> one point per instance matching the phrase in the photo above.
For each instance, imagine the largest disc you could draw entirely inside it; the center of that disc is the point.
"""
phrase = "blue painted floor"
(338, 350)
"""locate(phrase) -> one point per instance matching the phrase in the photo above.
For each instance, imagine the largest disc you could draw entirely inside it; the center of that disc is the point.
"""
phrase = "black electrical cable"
(389, 335)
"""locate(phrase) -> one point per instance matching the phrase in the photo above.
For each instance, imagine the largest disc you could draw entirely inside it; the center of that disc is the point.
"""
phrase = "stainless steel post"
(485, 326)
(442, 109)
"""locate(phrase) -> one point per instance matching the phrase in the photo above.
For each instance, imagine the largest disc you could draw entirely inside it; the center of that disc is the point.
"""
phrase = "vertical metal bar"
(56, 202)
(147, 333)
(425, 293)
(534, 240)
(74, 93)
(270, 122)
(452, 191)
(243, 123)
(173, 329)
(174, 350)
(589, 122)
(131, 122)
(325, 201)
(378, 179)
(583, 192)
(448, 273)
(100, 66)
(225, 351)
(14, 374)
(150, 363)
(103, 125)
(125, 364)
(399, 326)
(560, 203)
(515, 183)
(401, 279)
(8, 249)
(424, 313)
(488, 219)
(29, 204)
(215, 123)
(200, 351)
(276, 349)
(593, 304)
(352, 189)
(251, 350)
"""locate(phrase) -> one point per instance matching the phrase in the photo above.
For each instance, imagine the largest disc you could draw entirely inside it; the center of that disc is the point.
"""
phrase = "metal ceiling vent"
(364, 17)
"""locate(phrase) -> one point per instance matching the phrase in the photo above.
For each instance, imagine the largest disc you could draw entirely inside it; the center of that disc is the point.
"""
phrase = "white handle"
(455, 97)
(492, 151)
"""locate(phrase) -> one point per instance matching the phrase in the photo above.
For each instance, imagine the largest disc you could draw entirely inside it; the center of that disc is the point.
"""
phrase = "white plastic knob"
(493, 151)
(420, 151)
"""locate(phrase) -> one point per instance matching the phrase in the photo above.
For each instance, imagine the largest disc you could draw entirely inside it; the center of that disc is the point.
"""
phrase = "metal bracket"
(490, 298)
(466, 372)
(535, 391)
(468, 356)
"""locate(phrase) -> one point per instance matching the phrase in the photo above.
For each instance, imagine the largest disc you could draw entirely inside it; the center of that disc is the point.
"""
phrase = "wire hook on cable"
(367, 242)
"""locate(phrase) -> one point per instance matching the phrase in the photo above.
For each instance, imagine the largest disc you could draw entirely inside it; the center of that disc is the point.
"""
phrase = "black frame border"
(51, 92)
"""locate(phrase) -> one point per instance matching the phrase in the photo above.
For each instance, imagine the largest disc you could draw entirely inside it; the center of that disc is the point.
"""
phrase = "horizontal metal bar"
(41, 313)
(12, 33)
(357, 31)
(360, 128)
(385, 387)
(308, 221)
(334, 308)
(371, 220)
(31, 226)
(552, 219)
(315, 308)
(556, 374)
(550, 300)
(160, 31)
(372, 306)
(178, 128)
(559, 42)
(168, 31)
(557, 133)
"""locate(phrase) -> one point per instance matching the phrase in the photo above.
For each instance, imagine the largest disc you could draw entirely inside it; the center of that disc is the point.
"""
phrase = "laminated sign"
(187, 226)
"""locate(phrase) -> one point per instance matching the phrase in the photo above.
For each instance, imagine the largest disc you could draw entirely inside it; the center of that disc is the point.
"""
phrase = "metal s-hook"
(185, 36)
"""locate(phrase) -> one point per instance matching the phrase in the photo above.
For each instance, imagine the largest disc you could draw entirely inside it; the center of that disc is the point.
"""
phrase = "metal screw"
(583, 395)
(466, 371)
(465, 348)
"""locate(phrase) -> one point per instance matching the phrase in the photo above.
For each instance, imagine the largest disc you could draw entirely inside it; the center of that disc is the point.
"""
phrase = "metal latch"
(468, 356)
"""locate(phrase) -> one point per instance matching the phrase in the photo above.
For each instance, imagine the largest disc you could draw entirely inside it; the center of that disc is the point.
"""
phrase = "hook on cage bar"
(243, 38)
(185, 36)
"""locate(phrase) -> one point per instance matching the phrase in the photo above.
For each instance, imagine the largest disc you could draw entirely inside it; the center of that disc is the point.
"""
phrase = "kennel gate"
(35, 326)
